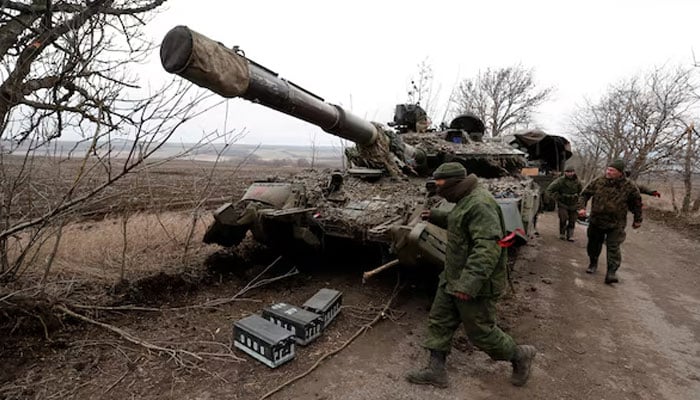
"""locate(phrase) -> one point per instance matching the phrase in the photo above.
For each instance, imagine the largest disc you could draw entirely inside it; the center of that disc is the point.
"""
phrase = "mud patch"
(156, 290)
(28, 316)
(237, 261)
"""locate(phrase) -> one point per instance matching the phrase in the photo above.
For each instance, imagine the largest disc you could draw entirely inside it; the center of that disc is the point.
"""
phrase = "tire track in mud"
(635, 340)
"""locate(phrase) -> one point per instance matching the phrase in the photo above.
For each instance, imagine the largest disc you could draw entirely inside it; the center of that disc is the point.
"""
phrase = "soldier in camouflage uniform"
(613, 195)
(565, 190)
(473, 279)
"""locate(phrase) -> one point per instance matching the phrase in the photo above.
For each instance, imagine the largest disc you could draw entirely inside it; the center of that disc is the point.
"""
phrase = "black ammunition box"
(261, 339)
(305, 325)
(325, 302)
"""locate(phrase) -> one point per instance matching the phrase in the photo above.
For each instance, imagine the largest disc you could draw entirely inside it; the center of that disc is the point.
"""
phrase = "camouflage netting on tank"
(510, 187)
(360, 205)
(212, 65)
(435, 142)
(378, 155)
(365, 210)
(485, 159)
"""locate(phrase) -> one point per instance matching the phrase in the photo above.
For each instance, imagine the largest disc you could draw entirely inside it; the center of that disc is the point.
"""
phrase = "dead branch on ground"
(183, 358)
(180, 356)
(253, 284)
(380, 315)
(367, 314)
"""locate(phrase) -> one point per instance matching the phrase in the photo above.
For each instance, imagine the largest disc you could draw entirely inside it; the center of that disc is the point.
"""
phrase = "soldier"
(613, 195)
(422, 123)
(473, 279)
(565, 190)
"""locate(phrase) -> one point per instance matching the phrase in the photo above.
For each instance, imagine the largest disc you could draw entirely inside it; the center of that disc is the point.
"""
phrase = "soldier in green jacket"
(472, 280)
(613, 195)
(565, 190)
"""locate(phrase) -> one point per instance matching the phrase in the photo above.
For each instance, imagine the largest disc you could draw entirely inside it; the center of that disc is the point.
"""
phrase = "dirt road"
(639, 339)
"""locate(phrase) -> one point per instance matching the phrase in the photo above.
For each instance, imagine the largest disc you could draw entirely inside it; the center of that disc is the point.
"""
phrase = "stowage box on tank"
(305, 325)
(263, 340)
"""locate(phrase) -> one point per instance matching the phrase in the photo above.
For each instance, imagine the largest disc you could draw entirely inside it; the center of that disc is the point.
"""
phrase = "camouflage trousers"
(612, 238)
(478, 316)
(567, 221)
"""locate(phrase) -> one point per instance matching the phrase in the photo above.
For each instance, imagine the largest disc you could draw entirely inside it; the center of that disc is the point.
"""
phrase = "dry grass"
(94, 250)
(668, 190)
(159, 202)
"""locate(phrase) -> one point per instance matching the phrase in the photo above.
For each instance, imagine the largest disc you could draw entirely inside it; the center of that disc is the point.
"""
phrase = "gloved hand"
(656, 194)
(425, 215)
(462, 296)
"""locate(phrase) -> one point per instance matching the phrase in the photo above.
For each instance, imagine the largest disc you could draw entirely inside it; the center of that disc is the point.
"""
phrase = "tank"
(547, 159)
(372, 207)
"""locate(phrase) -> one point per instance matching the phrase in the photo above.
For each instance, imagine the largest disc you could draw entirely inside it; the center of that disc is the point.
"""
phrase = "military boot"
(611, 278)
(562, 237)
(522, 360)
(434, 374)
(570, 235)
(592, 267)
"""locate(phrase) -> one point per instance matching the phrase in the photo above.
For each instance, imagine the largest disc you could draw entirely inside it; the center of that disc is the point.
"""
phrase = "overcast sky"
(361, 54)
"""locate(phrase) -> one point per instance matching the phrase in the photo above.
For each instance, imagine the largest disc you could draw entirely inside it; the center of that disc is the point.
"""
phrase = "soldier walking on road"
(473, 279)
(565, 190)
(613, 195)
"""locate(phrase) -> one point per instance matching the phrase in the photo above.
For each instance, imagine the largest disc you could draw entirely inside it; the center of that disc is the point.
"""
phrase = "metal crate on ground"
(305, 325)
(325, 302)
(263, 340)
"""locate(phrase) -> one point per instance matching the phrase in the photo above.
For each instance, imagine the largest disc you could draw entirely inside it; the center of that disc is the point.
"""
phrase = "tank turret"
(377, 201)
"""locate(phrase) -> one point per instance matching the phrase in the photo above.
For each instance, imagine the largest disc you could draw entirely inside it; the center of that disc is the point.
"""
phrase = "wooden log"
(379, 269)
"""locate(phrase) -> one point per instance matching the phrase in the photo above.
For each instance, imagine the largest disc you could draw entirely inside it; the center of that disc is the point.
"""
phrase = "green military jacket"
(565, 191)
(474, 262)
(612, 198)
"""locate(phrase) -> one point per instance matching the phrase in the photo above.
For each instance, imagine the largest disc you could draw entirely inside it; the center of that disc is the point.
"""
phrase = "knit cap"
(450, 170)
(618, 165)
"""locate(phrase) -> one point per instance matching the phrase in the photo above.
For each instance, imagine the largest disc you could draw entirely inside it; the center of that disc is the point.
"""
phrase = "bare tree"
(640, 120)
(590, 153)
(420, 89)
(339, 149)
(64, 63)
(505, 98)
(691, 164)
(313, 146)
(600, 129)
(66, 71)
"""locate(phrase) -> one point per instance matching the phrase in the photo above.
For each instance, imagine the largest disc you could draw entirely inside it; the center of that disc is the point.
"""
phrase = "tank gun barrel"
(229, 73)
